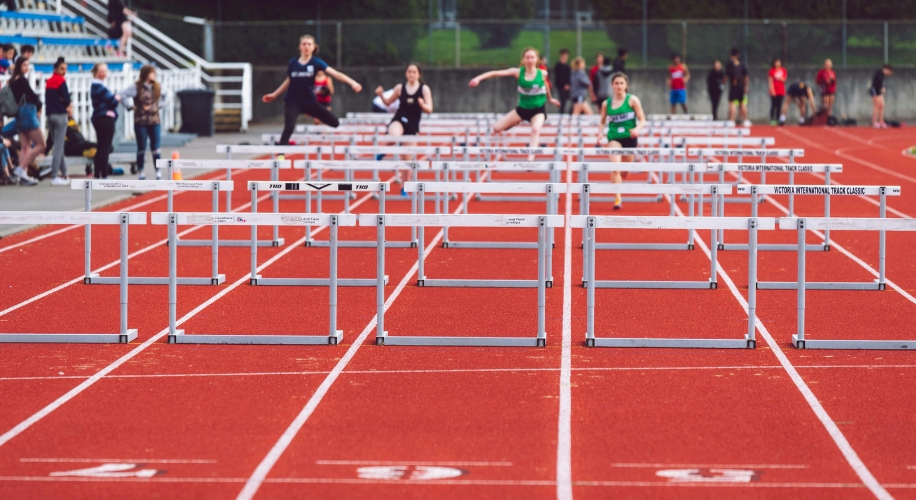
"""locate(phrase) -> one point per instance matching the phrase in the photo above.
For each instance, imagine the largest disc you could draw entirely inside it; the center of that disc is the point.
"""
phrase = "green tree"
(498, 34)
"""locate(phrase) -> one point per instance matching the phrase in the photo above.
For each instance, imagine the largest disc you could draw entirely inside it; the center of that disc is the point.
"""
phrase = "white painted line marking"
(564, 424)
(709, 476)
(422, 462)
(108, 470)
(709, 466)
(119, 460)
(72, 393)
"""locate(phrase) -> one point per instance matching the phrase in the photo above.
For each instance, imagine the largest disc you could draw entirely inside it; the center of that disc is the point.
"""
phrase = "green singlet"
(533, 94)
(620, 120)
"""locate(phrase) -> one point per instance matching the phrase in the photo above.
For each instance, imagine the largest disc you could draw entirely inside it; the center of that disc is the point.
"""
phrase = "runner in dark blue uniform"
(300, 80)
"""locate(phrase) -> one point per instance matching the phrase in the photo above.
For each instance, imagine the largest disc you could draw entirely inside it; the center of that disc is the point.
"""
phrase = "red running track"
(363, 421)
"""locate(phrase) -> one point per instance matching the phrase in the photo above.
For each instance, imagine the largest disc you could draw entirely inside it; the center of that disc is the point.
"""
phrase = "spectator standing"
(826, 82)
(27, 51)
(147, 98)
(737, 76)
(599, 62)
(10, 5)
(57, 100)
(877, 91)
(777, 84)
(620, 64)
(119, 24)
(715, 86)
(561, 79)
(580, 91)
(678, 76)
(104, 116)
(9, 57)
(602, 82)
(27, 122)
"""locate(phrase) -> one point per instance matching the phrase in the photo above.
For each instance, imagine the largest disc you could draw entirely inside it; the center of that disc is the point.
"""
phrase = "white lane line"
(72, 393)
(852, 458)
(260, 473)
(458, 370)
(413, 462)
(709, 466)
(564, 425)
(119, 460)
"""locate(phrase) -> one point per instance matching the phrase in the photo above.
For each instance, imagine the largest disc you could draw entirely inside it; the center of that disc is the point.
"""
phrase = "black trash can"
(197, 112)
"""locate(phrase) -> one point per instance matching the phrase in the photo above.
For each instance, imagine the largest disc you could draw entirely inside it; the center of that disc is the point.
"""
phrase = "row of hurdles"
(544, 224)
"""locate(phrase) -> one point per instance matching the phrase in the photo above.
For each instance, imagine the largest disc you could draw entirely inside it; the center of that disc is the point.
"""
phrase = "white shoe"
(60, 181)
(24, 177)
(747, 123)
(158, 175)
(141, 176)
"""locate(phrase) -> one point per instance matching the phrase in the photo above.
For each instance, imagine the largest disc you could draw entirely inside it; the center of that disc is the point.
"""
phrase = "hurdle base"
(678, 285)
(673, 343)
(774, 247)
(181, 338)
(95, 279)
(68, 338)
(445, 283)
(825, 285)
(490, 244)
(643, 246)
(257, 280)
(230, 243)
(361, 244)
(462, 341)
(886, 345)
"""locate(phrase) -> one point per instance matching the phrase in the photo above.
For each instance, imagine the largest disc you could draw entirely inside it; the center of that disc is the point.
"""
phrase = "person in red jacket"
(777, 80)
(593, 73)
(678, 76)
(826, 82)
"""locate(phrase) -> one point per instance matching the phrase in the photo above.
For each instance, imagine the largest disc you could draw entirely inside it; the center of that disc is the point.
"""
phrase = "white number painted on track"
(417, 473)
(110, 470)
(708, 475)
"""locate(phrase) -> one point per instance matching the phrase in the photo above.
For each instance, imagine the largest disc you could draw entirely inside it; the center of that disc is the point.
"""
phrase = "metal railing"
(231, 82)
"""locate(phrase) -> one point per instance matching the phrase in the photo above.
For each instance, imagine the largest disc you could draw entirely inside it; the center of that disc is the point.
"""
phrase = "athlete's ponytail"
(314, 42)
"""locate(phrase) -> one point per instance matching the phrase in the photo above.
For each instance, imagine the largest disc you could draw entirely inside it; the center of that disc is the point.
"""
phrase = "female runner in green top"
(533, 93)
(625, 118)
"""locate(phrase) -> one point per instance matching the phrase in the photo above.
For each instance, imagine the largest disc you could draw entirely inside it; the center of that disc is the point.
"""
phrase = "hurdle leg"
(173, 279)
(798, 340)
(87, 236)
(882, 248)
(229, 192)
(590, 278)
(214, 243)
(335, 335)
(125, 334)
(791, 195)
(752, 280)
(421, 243)
(714, 254)
(548, 263)
(586, 235)
(542, 282)
(690, 211)
(415, 175)
(827, 209)
(275, 197)
(380, 332)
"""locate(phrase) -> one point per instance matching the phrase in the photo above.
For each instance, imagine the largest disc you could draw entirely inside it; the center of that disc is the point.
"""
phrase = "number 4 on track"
(110, 470)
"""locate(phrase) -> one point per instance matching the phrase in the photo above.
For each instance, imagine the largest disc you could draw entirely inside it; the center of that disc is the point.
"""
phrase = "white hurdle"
(541, 222)
(790, 168)
(879, 284)
(802, 225)
(215, 187)
(752, 225)
(124, 220)
(229, 165)
(177, 336)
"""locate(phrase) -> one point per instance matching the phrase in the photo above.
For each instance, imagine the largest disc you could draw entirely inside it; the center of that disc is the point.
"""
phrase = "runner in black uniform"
(877, 91)
(300, 81)
(415, 99)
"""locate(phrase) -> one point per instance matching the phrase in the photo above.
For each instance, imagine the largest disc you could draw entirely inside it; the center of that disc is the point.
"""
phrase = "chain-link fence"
(500, 43)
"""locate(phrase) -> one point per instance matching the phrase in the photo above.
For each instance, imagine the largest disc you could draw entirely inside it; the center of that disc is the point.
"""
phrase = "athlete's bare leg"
(396, 129)
(537, 122)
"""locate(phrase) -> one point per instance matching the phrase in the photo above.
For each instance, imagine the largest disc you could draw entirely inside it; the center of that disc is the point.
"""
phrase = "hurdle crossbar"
(541, 222)
(90, 185)
(752, 225)
(123, 220)
(177, 336)
(802, 225)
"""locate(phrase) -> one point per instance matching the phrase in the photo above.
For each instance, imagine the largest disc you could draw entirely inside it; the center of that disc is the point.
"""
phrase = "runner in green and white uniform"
(533, 93)
(623, 114)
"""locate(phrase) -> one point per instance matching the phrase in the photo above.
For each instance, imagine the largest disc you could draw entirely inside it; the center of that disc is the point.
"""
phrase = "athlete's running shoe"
(60, 181)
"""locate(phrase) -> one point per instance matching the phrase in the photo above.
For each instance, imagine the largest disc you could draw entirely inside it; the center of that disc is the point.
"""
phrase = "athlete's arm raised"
(426, 102)
(344, 78)
(395, 94)
(640, 116)
(276, 93)
(493, 74)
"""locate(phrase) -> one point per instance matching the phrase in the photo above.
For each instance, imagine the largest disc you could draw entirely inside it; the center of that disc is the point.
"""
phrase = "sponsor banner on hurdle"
(768, 153)
(822, 190)
(692, 118)
(318, 186)
(225, 164)
(714, 224)
(521, 166)
(122, 219)
(802, 225)
(270, 149)
(150, 185)
(640, 166)
(802, 168)
(393, 150)
(356, 165)
(625, 151)
(540, 222)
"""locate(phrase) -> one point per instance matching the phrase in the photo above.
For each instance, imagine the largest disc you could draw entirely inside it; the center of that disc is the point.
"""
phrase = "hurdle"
(590, 223)
(123, 220)
(713, 190)
(88, 185)
(177, 336)
(583, 167)
(790, 168)
(802, 225)
(273, 151)
(229, 165)
(692, 118)
(705, 153)
(879, 284)
(541, 222)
